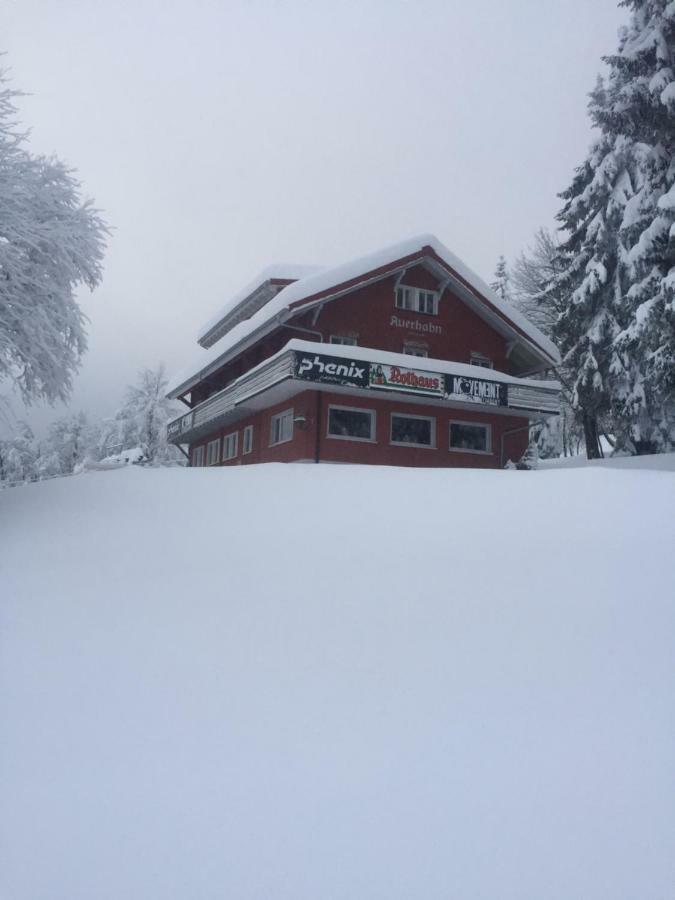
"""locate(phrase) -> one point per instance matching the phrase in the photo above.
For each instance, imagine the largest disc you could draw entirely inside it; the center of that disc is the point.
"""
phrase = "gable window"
(477, 359)
(351, 424)
(470, 437)
(230, 442)
(417, 300)
(345, 339)
(248, 440)
(281, 427)
(417, 430)
(212, 452)
(198, 456)
(415, 350)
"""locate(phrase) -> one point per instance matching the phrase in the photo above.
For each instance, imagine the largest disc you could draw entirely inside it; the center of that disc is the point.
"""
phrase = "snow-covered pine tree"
(593, 277)
(50, 243)
(537, 294)
(500, 284)
(639, 105)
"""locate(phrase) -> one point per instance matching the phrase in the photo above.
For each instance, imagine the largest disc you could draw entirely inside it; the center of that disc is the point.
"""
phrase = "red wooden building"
(404, 357)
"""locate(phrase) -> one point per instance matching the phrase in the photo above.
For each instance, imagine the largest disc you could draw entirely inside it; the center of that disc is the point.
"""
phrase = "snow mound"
(298, 682)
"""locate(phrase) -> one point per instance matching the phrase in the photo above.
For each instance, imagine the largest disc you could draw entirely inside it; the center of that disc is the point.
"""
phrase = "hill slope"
(338, 682)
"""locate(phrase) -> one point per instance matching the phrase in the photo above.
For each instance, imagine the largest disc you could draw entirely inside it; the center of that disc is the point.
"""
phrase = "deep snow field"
(327, 682)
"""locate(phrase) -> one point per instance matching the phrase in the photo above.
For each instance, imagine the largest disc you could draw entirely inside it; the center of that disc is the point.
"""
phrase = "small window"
(230, 442)
(345, 339)
(405, 298)
(281, 427)
(351, 424)
(417, 300)
(248, 440)
(213, 452)
(419, 431)
(198, 456)
(477, 359)
(414, 350)
(426, 302)
(470, 437)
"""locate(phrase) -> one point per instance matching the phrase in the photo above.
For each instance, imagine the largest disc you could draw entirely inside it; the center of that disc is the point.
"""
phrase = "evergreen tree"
(500, 285)
(616, 329)
(639, 103)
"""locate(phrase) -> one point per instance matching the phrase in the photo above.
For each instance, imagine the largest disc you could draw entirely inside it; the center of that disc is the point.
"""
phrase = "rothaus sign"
(414, 381)
(332, 369)
(475, 390)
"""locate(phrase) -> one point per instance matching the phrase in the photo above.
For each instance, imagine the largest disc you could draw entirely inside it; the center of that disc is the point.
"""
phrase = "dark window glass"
(350, 423)
(468, 437)
(405, 430)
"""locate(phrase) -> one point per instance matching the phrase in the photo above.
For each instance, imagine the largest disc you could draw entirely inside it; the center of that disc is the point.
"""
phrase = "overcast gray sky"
(219, 137)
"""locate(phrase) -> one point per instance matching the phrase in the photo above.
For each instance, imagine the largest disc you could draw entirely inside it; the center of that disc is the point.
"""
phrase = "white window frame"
(415, 299)
(346, 340)
(277, 417)
(478, 359)
(198, 456)
(247, 441)
(213, 457)
(347, 437)
(404, 415)
(410, 349)
(488, 429)
(226, 443)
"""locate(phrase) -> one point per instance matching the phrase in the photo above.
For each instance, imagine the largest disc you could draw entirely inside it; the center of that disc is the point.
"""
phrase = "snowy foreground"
(329, 682)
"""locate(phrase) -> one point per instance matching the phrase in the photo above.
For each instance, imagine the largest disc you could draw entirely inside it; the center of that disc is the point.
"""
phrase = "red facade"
(366, 312)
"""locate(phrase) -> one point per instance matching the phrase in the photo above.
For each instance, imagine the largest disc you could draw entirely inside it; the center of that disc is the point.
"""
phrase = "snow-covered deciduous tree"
(142, 421)
(18, 455)
(50, 243)
(70, 440)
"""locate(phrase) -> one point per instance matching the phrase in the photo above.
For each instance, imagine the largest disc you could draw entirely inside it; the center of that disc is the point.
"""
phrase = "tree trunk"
(591, 437)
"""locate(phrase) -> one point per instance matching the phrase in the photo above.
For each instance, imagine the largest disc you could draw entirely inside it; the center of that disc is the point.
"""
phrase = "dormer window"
(477, 359)
(417, 300)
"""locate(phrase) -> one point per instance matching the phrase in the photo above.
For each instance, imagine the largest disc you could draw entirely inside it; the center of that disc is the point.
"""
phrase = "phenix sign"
(331, 369)
(395, 378)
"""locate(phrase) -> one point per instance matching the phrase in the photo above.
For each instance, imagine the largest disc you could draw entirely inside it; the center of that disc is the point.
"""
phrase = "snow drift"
(338, 682)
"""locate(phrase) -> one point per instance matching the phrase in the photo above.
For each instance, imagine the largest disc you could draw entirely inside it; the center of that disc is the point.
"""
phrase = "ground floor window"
(248, 440)
(416, 430)
(198, 456)
(351, 424)
(470, 437)
(230, 442)
(212, 452)
(281, 427)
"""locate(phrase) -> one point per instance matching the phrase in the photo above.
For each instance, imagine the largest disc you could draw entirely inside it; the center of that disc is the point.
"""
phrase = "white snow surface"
(331, 277)
(282, 271)
(302, 682)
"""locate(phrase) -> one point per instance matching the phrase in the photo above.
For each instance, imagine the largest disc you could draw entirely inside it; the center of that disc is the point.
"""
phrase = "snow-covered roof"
(333, 281)
(278, 272)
